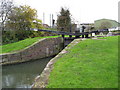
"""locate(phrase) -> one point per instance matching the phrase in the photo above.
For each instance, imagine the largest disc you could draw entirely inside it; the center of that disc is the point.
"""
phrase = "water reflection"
(22, 75)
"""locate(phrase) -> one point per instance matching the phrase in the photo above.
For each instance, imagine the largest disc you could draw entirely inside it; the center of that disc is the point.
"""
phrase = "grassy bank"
(89, 64)
(21, 44)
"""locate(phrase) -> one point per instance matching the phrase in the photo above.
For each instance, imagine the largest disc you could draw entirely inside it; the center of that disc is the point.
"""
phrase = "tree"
(5, 9)
(18, 24)
(22, 18)
(64, 20)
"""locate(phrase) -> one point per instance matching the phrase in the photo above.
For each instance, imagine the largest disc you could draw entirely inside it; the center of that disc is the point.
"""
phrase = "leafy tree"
(18, 24)
(64, 20)
(5, 9)
(21, 18)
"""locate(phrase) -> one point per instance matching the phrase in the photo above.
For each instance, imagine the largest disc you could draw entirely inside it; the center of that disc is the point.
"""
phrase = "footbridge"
(77, 34)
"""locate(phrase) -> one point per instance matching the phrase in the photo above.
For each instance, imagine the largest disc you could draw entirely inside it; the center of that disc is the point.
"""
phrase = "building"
(114, 28)
(74, 28)
(88, 27)
(105, 24)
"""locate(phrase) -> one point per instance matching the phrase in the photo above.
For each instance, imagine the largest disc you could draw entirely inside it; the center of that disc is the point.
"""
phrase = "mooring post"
(63, 35)
(77, 34)
(83, 27)
(82, 36)
(70, 36)
(86, 36)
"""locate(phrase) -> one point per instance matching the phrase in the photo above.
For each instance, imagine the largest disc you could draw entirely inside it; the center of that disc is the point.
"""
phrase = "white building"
(114, 29)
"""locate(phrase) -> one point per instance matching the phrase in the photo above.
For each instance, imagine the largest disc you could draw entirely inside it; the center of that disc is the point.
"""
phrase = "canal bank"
(16, 75)
(42, 80)
(88, 64)
(43, 48)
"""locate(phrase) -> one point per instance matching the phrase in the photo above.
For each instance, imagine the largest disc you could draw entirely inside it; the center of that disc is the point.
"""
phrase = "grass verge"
(21, 44)
(89, 64)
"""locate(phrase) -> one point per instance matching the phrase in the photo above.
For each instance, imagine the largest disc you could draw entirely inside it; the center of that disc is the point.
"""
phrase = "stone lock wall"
(44, 48)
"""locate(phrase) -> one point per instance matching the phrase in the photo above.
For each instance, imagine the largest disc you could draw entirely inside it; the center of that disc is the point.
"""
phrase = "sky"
(82, 11)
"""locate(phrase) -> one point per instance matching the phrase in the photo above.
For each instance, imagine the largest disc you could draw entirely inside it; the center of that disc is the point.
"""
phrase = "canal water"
(22, 75)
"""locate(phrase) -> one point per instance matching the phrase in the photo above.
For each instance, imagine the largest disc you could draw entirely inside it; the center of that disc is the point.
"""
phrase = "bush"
(14, 36)
(8, 37)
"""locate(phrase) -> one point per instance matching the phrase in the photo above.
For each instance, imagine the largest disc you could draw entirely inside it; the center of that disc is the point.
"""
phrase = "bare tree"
(5, 8)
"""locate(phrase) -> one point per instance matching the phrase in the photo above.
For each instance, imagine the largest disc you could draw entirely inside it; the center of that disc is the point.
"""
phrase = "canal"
(22, 75)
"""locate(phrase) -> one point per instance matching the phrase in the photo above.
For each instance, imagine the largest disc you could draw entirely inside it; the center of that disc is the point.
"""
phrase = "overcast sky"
(82, 11)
